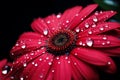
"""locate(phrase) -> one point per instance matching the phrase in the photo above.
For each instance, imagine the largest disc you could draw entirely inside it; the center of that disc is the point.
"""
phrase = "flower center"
(61, 42)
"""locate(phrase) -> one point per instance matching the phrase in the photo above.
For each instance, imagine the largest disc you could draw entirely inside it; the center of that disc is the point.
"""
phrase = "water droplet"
(77, 15)
(4, 71)
(16, 44)
(39, 42)
(95, 19)
(109, 62)
(80, 43)
(96, 13)
(83, 44)
(68, 61)
(45, 32)
(23, 46)
(75, 63)
(67, 21)
(40, 59)
(48, 22)
(103, 43)
(108, 42)
(104, 38)
(58, 62)
(33, 62)
(47, 58)
(50, 63)
(89, 32)
(77, 30)
(24, 65)
(87, 25)
(11, 77)
(41, 76)
(53, 70)
(89, 42)
(101, 28)
(21, 78)
(66, 57)
(36, 64)
(76, 54)
(57, 58)
(94, 25)
(58, 16)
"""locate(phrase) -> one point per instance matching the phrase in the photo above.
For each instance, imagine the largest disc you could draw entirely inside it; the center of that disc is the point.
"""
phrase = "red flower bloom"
(68, 46)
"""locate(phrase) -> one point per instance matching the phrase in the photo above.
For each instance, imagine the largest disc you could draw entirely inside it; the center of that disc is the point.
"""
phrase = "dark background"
(16, 18)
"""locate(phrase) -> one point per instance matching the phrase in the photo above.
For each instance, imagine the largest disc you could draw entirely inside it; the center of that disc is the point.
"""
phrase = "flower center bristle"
(61, 42)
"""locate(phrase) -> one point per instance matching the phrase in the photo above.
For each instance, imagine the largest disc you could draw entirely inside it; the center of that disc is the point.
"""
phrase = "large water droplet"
(58, 16)
(77, 30)
(89, 42)
(4, 71)
(21, 78)
(45, 32)
(95, 19)
(23, 46)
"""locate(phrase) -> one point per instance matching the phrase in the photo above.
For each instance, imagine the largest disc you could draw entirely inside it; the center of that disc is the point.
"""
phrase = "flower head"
(68, 46)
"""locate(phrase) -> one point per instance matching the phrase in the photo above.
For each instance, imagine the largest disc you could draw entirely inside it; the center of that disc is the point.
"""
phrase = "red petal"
(99, 41)
(2, 63)
(95, 58)
(28, 42)
(68, 16)
(52, 23)
(40, 26)
(82, 15)
(62, 69)
(100, 28)
(85, 70)
(43, 67)
(100, 17)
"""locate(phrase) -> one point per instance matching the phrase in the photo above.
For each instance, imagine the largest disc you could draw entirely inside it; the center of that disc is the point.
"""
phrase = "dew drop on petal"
(48, 21)
(21, 78)
(23, 46)
(108, 42)
(87, 25)
(50, 63)
(94, 25)
(103, 43)
(16, 44)
(58, 62)
(41, 76)
(45, 32)
(4, 71)
(89, 42)
(104, 38)
(101, 28)
(75, 54)
(11, 77)
(24, 64)
(58, 16)
(77, 30)
(109, 62)
(66, 57)
(75, 63)
(39, 42)
(36, 64)
(53, 70)
(68, 61)
(95, 19)
(57, 58)
(89, 32)
(40, 59)
(67, 21)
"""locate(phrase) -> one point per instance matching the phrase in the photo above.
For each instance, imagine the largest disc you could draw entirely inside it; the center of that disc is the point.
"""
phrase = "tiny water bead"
(61, 42)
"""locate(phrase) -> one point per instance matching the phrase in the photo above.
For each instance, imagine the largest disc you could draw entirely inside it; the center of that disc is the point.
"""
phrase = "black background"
(16, 18)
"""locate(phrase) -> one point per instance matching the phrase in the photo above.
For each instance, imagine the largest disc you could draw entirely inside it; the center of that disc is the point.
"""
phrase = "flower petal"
(28, 41)
(52, 23)
(68, 16)
(40, 26)
(2, 63)
(94, 19)
(43, 67)
(99, 41)
(95, 58)
(100, 28)
(61, 65)
(82, 15)
(85, 70)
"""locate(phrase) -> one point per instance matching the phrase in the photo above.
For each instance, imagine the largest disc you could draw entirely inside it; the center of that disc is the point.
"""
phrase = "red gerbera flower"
(68, 46)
